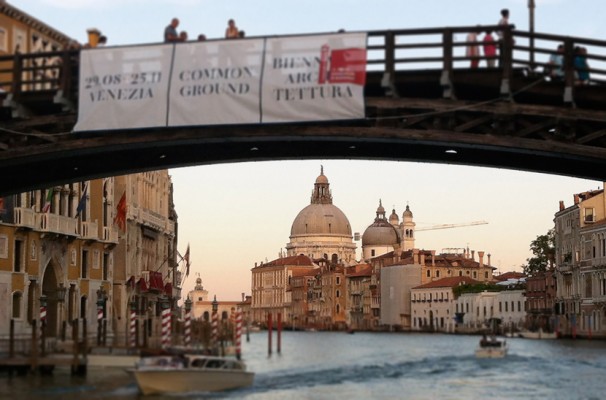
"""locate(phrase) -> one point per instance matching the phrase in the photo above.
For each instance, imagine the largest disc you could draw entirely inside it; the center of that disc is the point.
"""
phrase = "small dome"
(393, 218)
(380, 233)
(322, 179)
(380, 209)
(407, 212)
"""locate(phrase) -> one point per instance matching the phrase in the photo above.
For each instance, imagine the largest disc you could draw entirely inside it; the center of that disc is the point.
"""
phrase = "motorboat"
(184, 373)
(491, 348)
(538, 334)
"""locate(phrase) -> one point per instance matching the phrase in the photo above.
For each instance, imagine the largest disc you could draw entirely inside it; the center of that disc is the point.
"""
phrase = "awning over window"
(142, 285)
(155, 281)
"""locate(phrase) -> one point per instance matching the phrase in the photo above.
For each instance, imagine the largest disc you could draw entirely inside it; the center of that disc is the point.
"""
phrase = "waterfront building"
(301, 289)
(270, 286)
(540, 300)
(476, 310)
(61, 247)
(431, 267)
(56, 252)
(327, 304)
(146, 276)
(397, 280)
(358, 278)
(580, 247)
(433, 304)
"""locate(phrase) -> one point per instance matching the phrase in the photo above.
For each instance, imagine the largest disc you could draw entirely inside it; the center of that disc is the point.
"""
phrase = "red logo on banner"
(343, 66)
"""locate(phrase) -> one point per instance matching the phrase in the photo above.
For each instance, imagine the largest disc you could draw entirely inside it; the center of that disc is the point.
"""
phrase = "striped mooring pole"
(166, 327)
(187, 330)
(238, 334)
(133, 325)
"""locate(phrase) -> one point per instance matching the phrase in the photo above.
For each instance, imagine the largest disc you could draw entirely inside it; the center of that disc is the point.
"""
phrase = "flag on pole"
(47, 202)
(186, 258)
(82, 202)
(120, 218)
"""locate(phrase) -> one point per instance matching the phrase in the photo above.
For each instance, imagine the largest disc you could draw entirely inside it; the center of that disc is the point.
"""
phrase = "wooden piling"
(269, 328)
(279, 344)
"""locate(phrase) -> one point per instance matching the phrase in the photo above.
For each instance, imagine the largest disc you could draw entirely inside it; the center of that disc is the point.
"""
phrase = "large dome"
(320, 219)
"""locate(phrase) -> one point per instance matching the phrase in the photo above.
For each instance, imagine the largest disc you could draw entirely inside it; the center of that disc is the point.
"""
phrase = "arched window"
(338, 295)
(206, 316)
(224, 315)
(17, 299)
(338, 308)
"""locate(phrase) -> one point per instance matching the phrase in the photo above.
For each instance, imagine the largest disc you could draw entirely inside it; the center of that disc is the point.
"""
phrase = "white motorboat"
(190, 373)
(538, 334)
(491, 348)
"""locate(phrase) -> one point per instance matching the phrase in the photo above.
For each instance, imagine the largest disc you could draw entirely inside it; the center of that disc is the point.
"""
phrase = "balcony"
(59, 224)
(89, 230)
(110, 235)
(25, 217)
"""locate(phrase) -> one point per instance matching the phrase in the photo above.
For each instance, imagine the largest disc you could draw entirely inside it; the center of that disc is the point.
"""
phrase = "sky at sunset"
(236, 215)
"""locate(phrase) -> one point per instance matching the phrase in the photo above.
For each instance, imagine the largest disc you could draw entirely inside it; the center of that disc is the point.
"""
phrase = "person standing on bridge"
(473, 49)
(232, 30)
(170, 32)
(490, 49)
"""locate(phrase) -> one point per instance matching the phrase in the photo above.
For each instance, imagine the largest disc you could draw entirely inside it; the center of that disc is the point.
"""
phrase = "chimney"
(473, 255)
(488, 263)
(562, 205)
(481, 258)
(243, 297)
(433, 258)
(415, 256)
(576, 199)
(422, 262)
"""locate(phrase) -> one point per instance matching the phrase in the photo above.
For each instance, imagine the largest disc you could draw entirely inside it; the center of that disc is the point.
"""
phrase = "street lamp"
(188, 304)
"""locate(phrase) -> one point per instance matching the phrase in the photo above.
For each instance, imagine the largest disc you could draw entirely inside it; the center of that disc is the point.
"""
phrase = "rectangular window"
(506, 306)
(589, 215)
(84, 266)
(3, 246)
(428, 273)
(105, 266)
(96, 257)
(18, 259)
(3, 40)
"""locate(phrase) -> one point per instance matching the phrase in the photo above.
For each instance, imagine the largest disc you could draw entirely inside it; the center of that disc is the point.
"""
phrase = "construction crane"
(447, 226)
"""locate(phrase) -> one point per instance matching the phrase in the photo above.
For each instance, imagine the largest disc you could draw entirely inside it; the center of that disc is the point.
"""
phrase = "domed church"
(384, 236)
(321, 230)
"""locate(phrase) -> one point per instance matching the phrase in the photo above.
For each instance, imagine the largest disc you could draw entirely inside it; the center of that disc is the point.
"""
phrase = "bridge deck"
(511, 116)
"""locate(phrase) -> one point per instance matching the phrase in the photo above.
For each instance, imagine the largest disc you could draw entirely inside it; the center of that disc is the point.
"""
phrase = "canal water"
(336, 365)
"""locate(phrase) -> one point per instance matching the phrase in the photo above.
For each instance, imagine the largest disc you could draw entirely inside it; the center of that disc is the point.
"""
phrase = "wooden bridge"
(423, 103)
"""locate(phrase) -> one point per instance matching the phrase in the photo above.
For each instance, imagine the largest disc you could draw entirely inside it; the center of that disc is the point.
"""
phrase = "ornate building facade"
(580, 265)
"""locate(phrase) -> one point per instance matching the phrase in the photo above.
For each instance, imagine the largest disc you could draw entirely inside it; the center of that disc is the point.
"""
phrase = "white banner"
(216, 82)
(312, 78)
(243, 81)
(124, 87)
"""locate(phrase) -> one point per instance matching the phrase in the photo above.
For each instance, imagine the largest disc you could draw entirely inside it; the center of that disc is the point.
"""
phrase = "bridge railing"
(390, 52)
(39, 72)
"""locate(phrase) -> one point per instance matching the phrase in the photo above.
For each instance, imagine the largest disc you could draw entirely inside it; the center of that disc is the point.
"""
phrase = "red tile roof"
(448, 282)
(292, 260)
(509, 275)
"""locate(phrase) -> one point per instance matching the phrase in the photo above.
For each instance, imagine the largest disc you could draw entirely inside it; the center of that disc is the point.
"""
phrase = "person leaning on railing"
(581, 66)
